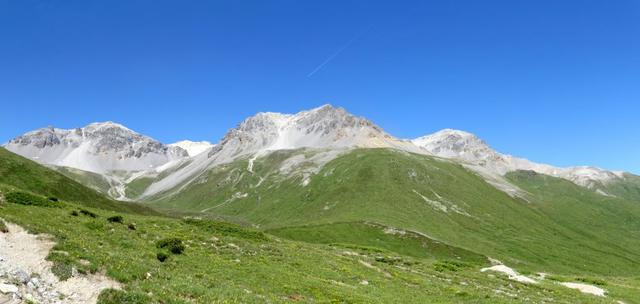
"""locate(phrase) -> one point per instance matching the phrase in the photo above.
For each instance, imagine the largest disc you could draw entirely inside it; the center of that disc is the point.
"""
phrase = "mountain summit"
(98, 147)
(322, 127)
(479, 156)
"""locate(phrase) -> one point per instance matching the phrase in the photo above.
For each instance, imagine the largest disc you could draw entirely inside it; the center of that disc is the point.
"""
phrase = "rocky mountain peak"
(449, 143)
(473, 151)
(322, 127)
(97, 147)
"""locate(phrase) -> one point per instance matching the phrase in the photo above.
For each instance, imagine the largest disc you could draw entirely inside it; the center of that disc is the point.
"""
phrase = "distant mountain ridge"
(479, 156)
(110, 147)
(97, 147)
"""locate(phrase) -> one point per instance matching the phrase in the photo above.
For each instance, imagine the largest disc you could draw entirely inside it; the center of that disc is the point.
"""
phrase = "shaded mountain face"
(98, 147)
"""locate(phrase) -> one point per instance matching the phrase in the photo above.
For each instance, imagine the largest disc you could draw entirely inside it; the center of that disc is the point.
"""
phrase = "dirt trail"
(23, 266)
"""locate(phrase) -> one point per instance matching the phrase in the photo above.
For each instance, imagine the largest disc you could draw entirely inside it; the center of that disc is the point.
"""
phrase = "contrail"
(334, 55)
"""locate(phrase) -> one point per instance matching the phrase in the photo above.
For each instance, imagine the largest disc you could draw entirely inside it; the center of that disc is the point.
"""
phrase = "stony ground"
(26, 277)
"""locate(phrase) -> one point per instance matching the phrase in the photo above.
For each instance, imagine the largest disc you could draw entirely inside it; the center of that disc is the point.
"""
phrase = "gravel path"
(25, 274)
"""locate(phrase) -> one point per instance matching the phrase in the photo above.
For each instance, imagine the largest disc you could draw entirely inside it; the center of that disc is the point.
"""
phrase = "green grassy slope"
(378, 237)
(226, 263)
(367, 262)
(628, 188)
(17, 172)
(92, 180)
(440, 199)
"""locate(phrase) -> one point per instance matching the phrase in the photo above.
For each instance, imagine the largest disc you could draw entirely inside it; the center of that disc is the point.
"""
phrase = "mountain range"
(439, 210)
(112, 154)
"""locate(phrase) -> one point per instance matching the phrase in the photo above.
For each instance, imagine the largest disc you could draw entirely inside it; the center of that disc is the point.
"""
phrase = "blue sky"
(553, 81)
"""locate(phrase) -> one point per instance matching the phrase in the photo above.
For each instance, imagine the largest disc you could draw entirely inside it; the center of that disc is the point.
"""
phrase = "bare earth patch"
(513, 275)
(23, 264)
(585, 288)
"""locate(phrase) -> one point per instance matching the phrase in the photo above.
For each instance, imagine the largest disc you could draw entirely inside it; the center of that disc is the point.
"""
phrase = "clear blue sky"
(553, 81)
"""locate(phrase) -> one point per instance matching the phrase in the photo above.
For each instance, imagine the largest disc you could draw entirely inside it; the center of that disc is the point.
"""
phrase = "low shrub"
(132, 226)
(391, 260)
(74, 213)
(53, 199)
(161, 256)
(62, 270)
(593, 281)
(115, 219)
(3, 227)
(442, 266)
(557, 278)
(174, 245)
(24, 198)
(88, 213)
(116, 296)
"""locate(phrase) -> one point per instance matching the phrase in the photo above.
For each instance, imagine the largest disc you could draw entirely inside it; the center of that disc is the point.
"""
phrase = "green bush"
(62, 270)
(3, 227)
(593, 281)
(74, 213)
(88, 213)
(174, 245)
(115, 296)
(115, 219)
(453, 266)
(53, 199)
(161, 256)
(132, 226)
(24, 198)
(557, 278)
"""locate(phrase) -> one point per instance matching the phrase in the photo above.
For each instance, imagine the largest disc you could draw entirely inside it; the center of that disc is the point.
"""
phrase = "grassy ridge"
(17, 172)
(379, 237)
(438, 198)
(92, 180)
(628, 188)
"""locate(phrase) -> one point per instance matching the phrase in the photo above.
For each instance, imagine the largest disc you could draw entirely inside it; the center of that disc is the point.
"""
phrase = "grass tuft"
(453, 266)
(174, 245)
(162, 256)
(88, 213)
(115, 296)
(3, 227)
(62, 270)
